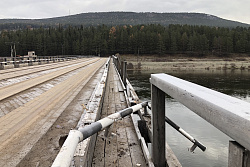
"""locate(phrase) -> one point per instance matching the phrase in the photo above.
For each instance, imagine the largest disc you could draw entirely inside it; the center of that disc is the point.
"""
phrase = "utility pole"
(12, 49)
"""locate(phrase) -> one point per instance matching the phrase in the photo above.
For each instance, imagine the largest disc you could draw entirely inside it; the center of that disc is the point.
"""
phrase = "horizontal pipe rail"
(97, 126)
(228, 114)
(67, 151)
(34, 59)
(184, 133)
(188, 136)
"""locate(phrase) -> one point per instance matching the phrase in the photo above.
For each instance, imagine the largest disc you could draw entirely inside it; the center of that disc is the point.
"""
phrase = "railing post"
(121, 74)
(1, 66)
(124, 73)
(119, 66)
(30, 62)
(15, 63)
(238, 156)
(158, 123)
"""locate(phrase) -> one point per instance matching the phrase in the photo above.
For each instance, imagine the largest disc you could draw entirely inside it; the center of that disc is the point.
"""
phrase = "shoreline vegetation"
(183, 62)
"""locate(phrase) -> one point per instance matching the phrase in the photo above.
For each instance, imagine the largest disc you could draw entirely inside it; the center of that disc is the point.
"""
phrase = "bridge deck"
(122, 147)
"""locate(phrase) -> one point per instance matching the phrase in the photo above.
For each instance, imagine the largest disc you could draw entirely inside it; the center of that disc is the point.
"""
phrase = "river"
(234, 83)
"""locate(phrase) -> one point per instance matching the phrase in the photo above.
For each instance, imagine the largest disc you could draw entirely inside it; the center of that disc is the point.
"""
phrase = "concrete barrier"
(23, 65)
(9, 66)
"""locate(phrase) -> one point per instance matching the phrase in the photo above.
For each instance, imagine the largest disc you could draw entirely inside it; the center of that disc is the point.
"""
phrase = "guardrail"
(67, 151)
(121, 67)
(228, 114)
(15, 62)
(132, 99)
(183, 132)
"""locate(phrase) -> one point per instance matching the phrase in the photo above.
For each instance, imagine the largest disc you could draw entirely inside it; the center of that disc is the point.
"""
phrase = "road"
(29, 119)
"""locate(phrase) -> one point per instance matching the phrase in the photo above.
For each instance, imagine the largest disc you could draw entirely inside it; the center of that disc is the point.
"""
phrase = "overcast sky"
(237, 10)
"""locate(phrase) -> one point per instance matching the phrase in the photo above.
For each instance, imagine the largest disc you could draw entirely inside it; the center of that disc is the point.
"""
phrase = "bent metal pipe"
(67, 151)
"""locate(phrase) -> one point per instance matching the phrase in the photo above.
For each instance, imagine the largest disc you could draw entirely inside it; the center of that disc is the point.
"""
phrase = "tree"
(184, 42)
(161, 47)
(145, 39)
(173, 42)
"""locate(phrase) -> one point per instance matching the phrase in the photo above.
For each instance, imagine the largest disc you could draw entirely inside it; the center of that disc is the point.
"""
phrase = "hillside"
(122, 18)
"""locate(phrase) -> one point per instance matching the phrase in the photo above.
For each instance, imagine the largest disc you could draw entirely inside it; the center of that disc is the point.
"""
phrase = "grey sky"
(237, 10)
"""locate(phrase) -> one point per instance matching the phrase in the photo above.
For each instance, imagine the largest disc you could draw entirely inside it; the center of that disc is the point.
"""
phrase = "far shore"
(186, 63)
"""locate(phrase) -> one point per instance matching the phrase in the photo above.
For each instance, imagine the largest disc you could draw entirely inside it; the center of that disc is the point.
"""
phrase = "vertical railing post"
(1, 66)
(124, 73)
(121, 74)
(118, 66)
(238, 156)
(30, 62)
(114, 61)
(158, 126)
(16, 64)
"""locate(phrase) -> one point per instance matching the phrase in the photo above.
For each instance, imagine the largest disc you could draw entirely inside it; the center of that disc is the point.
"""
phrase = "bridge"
(82, 111)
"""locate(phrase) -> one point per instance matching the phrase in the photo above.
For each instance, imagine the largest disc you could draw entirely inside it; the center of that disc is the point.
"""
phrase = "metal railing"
(75, 136)
(67, 151)
(228, 114)
(195, 142)
(85, 131)
(16, 62)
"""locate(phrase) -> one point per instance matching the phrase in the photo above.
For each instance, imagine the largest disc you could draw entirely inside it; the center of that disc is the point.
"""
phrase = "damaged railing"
(228, 114)
(67, 151)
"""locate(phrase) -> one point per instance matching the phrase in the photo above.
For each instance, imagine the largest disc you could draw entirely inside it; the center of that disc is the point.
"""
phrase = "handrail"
(67, 151)
(184, 133)
(188, 136)
(228, 114)
(15, 62)
(121, 68)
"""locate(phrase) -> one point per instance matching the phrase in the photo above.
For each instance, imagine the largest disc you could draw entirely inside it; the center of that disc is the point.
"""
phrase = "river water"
(234, 83)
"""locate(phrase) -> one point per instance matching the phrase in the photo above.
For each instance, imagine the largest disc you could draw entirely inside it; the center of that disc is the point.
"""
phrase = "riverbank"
(185, 63)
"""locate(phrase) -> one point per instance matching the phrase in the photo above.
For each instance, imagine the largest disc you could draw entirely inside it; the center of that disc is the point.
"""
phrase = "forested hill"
(142, 39)
(122, 18)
